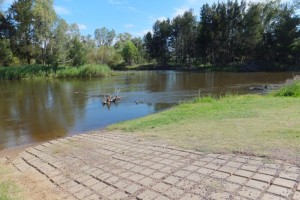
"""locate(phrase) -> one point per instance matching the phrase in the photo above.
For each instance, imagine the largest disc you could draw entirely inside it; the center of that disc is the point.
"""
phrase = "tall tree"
(252, 34)
(148, 45)
(138, 43)
(21, 16)
(77, 53)
(58, 47)
(130, 53)
(285, 32)
(184, 32)
(104, 37)
(161, 40)
(44, 17)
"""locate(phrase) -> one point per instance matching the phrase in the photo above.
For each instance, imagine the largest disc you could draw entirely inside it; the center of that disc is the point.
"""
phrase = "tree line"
(32, 33)
(226, 33)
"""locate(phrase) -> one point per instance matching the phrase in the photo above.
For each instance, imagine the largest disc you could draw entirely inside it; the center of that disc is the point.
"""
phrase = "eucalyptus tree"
(253, 30)
(161, 40)
(183, 37)
(285, 32)
(205, 35)
(148, 46)
(21, 16)
(104, 37)
(73, 31)
(44, 18)
(58, 46)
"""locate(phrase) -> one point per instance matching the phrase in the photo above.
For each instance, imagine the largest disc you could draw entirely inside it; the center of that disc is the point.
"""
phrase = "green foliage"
(39, 71)
(104, 37)
(44, 18)
(290, 90)
(77, 53)
(130, 52)
(228, 33)
(6, 55)
(22, 39)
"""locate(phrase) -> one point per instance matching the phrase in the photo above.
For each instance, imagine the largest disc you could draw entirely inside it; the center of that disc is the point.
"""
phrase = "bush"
(289, 90)
(39, 71)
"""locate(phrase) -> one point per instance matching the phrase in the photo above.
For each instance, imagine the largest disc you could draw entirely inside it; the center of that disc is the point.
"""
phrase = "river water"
(40, 110)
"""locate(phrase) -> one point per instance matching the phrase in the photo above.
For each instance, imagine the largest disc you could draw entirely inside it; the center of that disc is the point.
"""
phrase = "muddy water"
(34, 111)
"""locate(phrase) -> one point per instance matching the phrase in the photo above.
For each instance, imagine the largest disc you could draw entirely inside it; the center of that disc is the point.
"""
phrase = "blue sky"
(133, 16)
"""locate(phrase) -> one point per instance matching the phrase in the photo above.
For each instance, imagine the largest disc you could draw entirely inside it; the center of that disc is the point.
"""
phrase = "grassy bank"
(38, 71)
(249, 124)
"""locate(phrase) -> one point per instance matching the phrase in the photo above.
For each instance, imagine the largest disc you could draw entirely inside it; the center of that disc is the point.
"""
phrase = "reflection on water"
(40, 110)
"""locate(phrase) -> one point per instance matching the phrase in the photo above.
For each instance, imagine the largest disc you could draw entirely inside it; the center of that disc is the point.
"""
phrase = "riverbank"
(266, 126)
(207, 148)
(38, 71)
(242, 67)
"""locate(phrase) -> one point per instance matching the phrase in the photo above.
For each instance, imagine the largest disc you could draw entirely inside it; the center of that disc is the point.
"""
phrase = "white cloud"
(129, 25)
(61, 10)
(82, 26)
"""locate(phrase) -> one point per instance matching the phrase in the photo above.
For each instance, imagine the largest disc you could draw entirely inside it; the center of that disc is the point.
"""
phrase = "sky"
(133, 16)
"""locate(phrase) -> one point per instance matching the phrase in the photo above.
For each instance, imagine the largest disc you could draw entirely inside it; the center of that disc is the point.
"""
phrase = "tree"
(77, 53)
(104, 37)
(121, 40)
(130, 53)
(184, 32)
(252, 34)
(138, 43)
(6, 55)
(161, 41)
(285, 32)
(44, 17)
(21, 16)
(57, 52)
(73, 31)
(148, 45)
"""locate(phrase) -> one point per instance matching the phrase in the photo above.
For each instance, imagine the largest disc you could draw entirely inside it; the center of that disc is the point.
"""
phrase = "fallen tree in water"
(108, 99)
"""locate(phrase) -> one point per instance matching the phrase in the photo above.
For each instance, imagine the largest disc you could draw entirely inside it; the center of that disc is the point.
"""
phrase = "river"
(40, 110)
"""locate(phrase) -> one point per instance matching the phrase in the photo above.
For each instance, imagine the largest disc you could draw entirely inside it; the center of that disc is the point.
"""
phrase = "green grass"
(249, 124)
(8, 189)
(290, 90)
(38, 71)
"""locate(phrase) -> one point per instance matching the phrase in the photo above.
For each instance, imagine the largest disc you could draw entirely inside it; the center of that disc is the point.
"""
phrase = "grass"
(38, 71)
(290, 90)
(249, 124)
(8, 189)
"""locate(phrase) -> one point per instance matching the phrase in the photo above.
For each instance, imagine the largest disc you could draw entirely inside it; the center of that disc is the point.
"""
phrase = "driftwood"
(108, 99)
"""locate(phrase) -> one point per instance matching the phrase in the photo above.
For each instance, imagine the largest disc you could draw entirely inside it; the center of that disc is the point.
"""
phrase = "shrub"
(289, 90)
